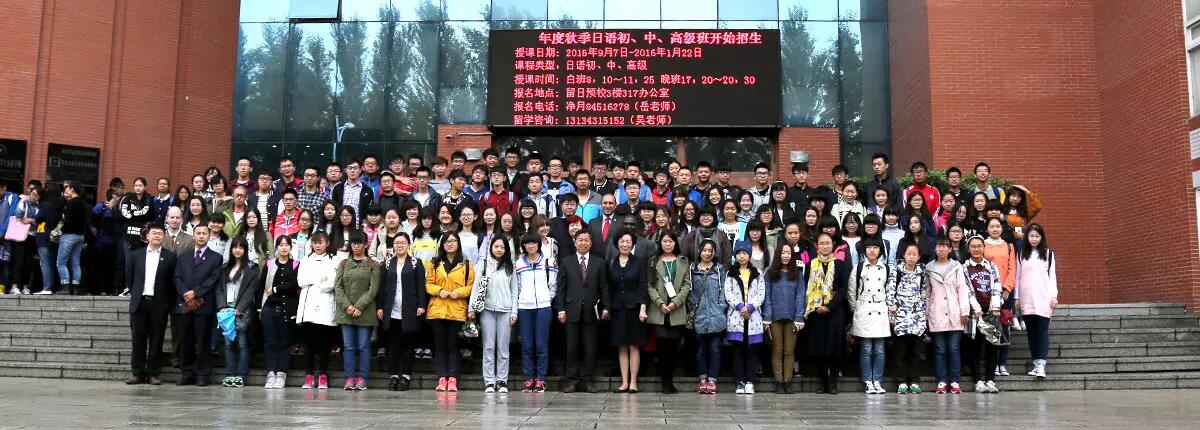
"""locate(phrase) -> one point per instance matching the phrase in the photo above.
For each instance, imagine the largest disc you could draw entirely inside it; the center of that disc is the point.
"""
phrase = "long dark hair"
(261, 239)
(755, 224)
(505, 261)
(1021, 208)
(775, 271)
(447, 260)
(675, 237)
(242, 263)
(1043, 251)
(435, 230)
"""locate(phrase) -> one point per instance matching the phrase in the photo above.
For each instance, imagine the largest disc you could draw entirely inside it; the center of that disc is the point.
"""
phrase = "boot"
(668, 385)
(823, 377)
(833, 380)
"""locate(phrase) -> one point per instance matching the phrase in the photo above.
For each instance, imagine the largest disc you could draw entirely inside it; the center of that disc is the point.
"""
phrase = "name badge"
(670, 288)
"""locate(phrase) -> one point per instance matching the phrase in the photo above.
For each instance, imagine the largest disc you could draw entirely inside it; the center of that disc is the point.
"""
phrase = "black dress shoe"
(833, 388)
(621, 390)
(135, 381)
(589, 388)
(394, 383)
(203, 382)
(669, 388)
(185, 381)
(570, 388)
(787, 388)
(402, 384)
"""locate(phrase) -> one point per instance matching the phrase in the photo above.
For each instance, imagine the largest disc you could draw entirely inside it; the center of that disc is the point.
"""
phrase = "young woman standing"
(400, 309)
(825, 313)
(315, 312)
(984, 280)
(868, 300)
(670, 284)
(239, 279)
(907, 293)
(706, 305)
(537, 282)
(448, 281)
(744, 294)
(355, 286)
(783, 315)
(493, 304)
(1003, 254)
(627, 285)
(280, 300)
(1037, 294)
(950, 303)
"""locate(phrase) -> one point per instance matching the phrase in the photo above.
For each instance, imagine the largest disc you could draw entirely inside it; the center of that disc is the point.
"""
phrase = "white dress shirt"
(398, 302)
(152, 256)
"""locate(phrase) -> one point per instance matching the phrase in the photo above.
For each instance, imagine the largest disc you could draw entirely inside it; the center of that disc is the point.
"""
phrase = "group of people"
(677, 260)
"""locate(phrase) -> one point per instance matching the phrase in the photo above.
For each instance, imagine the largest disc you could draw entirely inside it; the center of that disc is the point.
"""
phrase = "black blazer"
(577, 295)
(248, 291)
(201, 278)
(627, 286)
(601, 244)
(412, 272)
(164, 289)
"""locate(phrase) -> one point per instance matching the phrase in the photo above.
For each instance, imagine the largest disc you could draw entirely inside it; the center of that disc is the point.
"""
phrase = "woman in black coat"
(826, 314)
(627, 289)
(403, 273)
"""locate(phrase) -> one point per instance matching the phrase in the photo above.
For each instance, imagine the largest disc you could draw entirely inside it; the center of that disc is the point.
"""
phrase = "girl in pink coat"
(949, 305)
(1037, 294)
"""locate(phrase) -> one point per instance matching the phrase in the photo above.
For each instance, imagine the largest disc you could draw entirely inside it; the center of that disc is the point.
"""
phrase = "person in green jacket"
(355, 286)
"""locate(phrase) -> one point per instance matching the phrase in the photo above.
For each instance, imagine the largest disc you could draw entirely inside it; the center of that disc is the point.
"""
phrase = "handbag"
(17, 230)
(56, 234)
(470, 329)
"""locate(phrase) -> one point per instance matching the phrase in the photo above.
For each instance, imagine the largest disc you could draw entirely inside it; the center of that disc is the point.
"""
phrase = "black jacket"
(272, 204)
(576, 295)
(134, 213)
(286, 288)
(627, 286)
(248, 291)
(412, 273)
(365, 197)
(200, 278)
(135, 278)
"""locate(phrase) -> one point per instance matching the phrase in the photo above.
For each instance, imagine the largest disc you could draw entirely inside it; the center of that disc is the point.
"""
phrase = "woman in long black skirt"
(825, 313)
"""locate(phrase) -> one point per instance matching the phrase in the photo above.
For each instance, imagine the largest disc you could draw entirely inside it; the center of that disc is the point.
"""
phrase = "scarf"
(820, 283)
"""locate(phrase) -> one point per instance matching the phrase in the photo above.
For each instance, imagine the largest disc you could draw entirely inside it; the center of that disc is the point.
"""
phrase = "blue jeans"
(535, 335)
(946, 343)
(238, 367)
(357, 352)
(48, 267)
(708, 355)
(277, 337)
(70, 248)
(871, 358)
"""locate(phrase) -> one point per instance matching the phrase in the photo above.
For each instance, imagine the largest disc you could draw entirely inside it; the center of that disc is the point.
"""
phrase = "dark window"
(739, 153)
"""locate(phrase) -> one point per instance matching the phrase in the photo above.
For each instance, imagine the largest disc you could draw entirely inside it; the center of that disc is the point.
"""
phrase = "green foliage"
(937, 178)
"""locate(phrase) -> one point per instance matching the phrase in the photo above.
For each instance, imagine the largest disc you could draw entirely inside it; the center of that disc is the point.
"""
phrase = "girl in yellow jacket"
(448, 281)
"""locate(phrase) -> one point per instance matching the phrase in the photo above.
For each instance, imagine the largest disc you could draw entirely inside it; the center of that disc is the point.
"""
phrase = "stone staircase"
(1118, 346)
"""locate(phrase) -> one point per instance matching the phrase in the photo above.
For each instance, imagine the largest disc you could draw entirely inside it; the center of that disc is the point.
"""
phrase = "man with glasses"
(310, 196)
(761, 191)
(353, 192)
(236, 214)
(287, 176)
(288, 221)
(557, 185)
(933, 196)
(333, 176)
(264, 198)
(424, 195)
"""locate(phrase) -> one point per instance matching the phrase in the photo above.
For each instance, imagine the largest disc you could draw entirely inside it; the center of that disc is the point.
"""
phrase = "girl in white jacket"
(493, 304)
(316, 309)
(537, 282)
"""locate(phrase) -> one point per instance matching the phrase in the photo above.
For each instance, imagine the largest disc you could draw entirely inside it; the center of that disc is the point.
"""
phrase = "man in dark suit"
(149, 274)
(605, 227)
(581, 302)
(196, 277)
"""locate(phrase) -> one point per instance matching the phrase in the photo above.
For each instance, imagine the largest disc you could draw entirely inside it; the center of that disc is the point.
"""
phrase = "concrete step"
(848, 384)
(64, 340)
(1126, 321)
(1113, 350)
(65, 302)
(1186, 363)
(1119, 335)
(51, 327)
(1120, 309)
(42, 313)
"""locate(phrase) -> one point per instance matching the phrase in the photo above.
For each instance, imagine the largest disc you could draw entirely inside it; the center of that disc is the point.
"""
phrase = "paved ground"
(44, 403)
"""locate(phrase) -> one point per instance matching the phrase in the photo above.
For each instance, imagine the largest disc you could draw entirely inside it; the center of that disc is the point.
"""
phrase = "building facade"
(1086, 102)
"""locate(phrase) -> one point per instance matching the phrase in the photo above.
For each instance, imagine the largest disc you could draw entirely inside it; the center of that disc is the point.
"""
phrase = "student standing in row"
(783, 313)
(670, 284)
(315, 310)
(868, 301)
(239, 283)
(401, 309)
(355, 286)
(493, 304)
(448, 282)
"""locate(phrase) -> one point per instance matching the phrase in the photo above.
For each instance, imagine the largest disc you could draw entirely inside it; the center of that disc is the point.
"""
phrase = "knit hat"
(741, 246)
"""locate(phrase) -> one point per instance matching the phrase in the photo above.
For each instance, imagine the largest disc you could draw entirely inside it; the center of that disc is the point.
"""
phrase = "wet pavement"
(47, 403)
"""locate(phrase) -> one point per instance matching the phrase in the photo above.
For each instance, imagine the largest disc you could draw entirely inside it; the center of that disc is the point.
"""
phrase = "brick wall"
(1014, 83)
(908, 49)
(822, 145)
(1143, 97)
(148, 82)
(457, 142)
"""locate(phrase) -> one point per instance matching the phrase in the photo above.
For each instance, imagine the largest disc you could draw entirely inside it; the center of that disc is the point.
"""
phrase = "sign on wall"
(634, 78)
(12, 164)
(74, 163)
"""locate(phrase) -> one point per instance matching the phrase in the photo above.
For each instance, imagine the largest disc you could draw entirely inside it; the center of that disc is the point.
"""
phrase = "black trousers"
(668, 344)
(982, 352)
(149, 327)
(400, 346)
(196, 345)
(445, 347)
(581, 335)
(318, 343)
(745, 360)
(908, 358)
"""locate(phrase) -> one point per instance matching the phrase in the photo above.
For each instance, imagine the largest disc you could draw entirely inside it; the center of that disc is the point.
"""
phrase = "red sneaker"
(441, 386)
(712, 387)
(528, 386)
(702, 387)
(323, 382)
(349, 384)
(955, 389)
(452, 384)
(941, 388)
(308, 382)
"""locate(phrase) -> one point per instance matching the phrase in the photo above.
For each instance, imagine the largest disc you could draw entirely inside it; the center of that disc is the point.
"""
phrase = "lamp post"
(337, 138)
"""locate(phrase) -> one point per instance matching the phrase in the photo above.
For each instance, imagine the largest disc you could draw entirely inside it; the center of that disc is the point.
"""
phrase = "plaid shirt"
(310, 201)
(351, 196)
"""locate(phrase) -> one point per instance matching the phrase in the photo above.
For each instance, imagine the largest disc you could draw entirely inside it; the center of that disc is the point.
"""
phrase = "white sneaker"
(25, 290)
(981, 387)
(992, 388)
(870, 387)
(1041, 371)
(879, 388)
(270, 380)
(280, 380)
(43, 293)
(125, 293)
(741, 388)
(1003, 371)
(749, 388)
(15, 291)
(490, 389)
